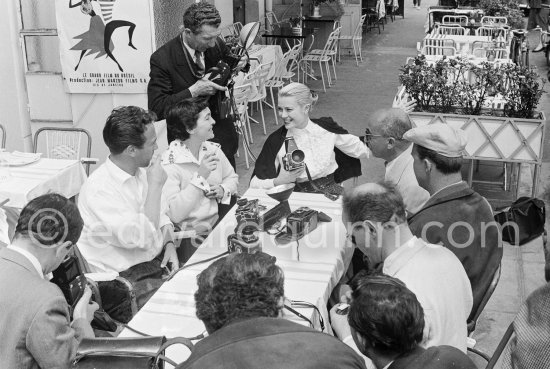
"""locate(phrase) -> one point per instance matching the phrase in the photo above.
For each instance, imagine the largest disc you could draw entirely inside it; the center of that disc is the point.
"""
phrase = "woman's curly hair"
(239, 286)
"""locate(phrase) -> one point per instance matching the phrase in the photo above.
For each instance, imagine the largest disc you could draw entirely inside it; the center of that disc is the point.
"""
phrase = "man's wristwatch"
(169, 242)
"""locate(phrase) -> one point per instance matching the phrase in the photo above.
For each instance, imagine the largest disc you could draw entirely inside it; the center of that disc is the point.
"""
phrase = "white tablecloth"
(323, 258)
(46, 175)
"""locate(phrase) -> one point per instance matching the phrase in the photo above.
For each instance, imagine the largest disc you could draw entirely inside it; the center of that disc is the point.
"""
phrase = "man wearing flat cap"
(455, 215)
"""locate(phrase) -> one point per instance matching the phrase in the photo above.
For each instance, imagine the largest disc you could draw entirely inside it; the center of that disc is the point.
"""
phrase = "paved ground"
(361, 90)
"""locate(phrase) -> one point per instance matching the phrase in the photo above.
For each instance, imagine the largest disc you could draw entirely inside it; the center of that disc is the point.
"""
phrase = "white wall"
(13, 102)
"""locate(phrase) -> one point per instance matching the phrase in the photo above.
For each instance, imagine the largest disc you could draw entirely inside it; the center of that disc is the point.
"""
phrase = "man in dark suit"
(387, 324)
(35, 327)
(178, 71)
(454, 216)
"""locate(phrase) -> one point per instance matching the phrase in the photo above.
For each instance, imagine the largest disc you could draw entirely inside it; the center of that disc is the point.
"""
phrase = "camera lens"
(298, 156)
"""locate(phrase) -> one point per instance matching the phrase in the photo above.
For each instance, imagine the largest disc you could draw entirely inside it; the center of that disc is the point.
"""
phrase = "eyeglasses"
(369, 136)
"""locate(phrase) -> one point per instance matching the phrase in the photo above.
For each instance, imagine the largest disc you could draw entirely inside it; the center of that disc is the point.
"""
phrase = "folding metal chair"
(66, 143)
(326, 55)
(356, 40)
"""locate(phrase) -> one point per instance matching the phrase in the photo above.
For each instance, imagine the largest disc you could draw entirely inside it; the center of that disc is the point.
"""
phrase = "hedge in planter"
(454, 85)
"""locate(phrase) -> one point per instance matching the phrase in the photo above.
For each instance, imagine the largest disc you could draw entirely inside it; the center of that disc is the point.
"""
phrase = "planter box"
(512, 140)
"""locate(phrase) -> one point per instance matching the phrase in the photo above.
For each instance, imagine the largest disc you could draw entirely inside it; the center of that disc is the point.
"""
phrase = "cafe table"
(312, 267)
(23, 182)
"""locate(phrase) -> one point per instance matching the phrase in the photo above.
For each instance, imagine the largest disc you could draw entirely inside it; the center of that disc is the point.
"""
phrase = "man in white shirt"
(126, 228)
(384, 137)
(374, 215)
(35, 326)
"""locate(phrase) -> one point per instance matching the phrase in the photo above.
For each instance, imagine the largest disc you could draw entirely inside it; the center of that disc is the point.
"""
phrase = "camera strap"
(327, 194)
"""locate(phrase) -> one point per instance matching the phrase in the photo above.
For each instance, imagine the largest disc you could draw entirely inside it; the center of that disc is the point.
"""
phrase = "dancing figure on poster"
(97, 40)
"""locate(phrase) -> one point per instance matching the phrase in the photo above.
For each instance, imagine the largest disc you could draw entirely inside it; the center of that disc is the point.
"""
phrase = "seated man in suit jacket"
(36, 330)
(179, 71)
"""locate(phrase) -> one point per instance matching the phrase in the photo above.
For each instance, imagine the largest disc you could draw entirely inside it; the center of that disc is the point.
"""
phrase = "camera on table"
(248, 211)
(302, 221)
(294, 157)
(245, 239)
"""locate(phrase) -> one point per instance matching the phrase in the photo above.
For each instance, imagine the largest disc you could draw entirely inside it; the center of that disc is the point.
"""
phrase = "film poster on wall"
(105, 45)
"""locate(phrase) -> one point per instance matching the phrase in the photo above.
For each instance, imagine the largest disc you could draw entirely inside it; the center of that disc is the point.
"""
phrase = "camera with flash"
(294, 157)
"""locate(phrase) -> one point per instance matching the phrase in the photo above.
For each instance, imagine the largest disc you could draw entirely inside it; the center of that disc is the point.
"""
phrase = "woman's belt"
(325, 185)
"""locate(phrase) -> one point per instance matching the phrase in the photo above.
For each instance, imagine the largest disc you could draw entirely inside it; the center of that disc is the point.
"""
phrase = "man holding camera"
(37, 331)
(179, 71)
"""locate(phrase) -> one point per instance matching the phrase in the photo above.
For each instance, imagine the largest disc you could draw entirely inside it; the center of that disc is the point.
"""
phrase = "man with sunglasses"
(384, 137)
(35, 326)
(374, 215)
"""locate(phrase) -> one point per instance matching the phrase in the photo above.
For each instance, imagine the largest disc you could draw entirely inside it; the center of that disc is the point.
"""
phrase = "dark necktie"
(198, 62)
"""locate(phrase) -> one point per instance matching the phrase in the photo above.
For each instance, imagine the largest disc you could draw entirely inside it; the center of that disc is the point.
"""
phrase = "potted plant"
(504, 8)
(296, 24)
(496, 104)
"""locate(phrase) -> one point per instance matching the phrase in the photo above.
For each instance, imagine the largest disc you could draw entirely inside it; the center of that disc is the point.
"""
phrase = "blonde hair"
(300, 92)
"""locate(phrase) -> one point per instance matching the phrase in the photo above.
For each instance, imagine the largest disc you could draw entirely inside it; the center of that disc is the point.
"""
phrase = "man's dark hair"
(442, 163)
(374, 206)
(50, 219)
(126, 126)
(387, 314)
(200, 14)
(239, 286)
(183, 116)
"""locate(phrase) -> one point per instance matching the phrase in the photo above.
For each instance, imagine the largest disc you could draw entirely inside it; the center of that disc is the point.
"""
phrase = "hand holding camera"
(208, 163)
(285, 176)
(205, 87)
(84, 308)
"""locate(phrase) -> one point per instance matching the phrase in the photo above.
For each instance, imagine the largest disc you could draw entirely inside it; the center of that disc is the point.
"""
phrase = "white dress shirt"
(117, 234)
(400, 172)
(318, 146)
(438, 279)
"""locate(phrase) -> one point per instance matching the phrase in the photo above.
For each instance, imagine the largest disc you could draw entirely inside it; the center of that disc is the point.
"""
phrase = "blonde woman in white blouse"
(199, 174)
(331, 153)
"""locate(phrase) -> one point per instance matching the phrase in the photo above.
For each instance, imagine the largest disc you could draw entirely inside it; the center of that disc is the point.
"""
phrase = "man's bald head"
(376, 202)
(390, 122)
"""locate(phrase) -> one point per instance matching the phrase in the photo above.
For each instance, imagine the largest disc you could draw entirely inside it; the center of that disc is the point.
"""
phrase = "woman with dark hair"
(199, 174)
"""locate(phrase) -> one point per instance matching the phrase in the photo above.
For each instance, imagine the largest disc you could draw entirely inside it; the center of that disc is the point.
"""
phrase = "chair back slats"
(439, 50)
(493, 31)
(449, 30)
(437, 44)
(64, 143)
(496, 21)
(460, 20)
